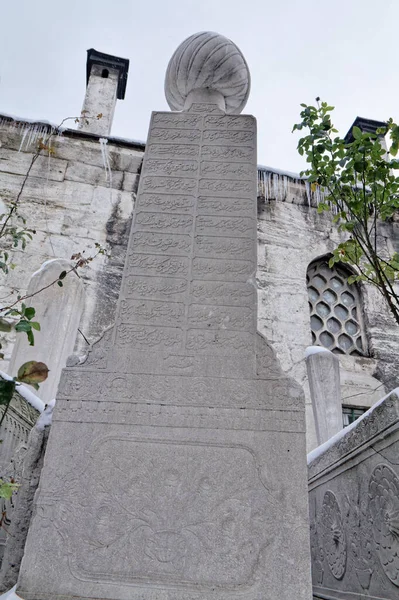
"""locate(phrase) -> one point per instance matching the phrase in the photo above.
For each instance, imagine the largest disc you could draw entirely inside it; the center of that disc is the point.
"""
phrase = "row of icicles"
(275, 186)
(272, 185)
(32, 133)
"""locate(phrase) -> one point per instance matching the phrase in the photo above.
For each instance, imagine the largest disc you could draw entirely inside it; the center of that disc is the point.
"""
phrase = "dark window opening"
(350, 414)
(105, 74)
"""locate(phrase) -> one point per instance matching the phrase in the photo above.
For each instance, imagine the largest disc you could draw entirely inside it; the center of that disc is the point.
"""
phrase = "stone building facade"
(81, 191)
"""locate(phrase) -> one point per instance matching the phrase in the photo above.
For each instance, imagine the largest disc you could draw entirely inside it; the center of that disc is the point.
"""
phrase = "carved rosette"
(208, 61)
(384, 514)
(334, 540)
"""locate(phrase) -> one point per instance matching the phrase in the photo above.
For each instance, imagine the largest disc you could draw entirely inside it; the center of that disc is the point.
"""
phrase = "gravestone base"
(185, 502)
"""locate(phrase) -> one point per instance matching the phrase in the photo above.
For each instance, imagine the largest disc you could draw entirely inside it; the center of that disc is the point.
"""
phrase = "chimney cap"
(366, 125)
(111, 62)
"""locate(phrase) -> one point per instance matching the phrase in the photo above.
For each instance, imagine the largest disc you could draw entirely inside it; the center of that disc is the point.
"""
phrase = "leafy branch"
(360, 184)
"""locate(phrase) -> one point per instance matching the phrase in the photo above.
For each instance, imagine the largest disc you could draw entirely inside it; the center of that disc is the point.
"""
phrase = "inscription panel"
(228, 170)
(154, 288)
(230, 137)
(161, 243)
(226, 270)
(229, 206)
(175, 135)
(143, 338)
(224, 247)
(211, 292)
(240, 122)
(226, 226)
(220, 342)
(166, 203)
(159, 415)
(151, 312)
(227, 153)
(155, 221)
(173, 150)
(172, 167)
(209, 187)
(148, 264)
(221, 317)
(179, 121)
(168, 184)
(176, 390)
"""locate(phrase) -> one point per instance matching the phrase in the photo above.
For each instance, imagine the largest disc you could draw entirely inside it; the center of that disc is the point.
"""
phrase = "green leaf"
(30, 312)
(322, 206)
(7, 489)
(4, 326)
(31, 337)
(357, 132)
(60, 283)
(35, 325)
(32, 372)
(23, 326)
(6, 391)
(62, 275)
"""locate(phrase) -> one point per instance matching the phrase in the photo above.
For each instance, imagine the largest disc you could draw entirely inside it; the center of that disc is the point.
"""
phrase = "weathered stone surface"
(18, 163)
(354, 504)
(175, 466)
(325, 392)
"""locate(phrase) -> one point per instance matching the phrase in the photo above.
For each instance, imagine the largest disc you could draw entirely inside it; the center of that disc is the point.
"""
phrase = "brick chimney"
(106, 82)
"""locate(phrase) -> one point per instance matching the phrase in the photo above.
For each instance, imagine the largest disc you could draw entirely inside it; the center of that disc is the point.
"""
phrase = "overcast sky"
(345, 51)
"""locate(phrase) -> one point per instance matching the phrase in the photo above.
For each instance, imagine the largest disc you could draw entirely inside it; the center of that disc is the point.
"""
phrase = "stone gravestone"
(58, 310)
(175, 468)
(325, 391)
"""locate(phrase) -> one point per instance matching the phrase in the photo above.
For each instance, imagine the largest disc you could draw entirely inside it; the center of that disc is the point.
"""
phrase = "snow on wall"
(26, 393)
(338, 436)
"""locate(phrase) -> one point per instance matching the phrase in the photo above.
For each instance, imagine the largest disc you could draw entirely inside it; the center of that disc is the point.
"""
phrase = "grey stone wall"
(72, 201)
(291, 234)
(354, 507)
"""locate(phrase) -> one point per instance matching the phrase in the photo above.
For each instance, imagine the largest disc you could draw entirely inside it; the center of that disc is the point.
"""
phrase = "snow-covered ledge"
(26, 393)
(353, 506)
(383, 414)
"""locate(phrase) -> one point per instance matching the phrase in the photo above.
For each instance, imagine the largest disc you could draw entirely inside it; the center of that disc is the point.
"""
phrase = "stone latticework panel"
(336, 318)
(354, 509)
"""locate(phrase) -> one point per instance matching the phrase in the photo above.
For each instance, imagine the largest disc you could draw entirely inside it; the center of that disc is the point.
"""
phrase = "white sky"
(344, 51)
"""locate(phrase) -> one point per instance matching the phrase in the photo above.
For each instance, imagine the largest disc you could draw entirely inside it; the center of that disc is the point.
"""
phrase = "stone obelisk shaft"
(175, 466)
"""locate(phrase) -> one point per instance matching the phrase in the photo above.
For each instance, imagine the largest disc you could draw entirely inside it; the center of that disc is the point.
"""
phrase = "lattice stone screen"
(335, 310)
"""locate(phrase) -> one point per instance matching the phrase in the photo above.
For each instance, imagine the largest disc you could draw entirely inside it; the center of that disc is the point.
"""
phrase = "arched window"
(105, 73)
(336, 316)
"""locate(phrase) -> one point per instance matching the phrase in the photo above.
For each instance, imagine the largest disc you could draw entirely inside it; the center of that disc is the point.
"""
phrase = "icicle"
(106, 163)
(23, 139)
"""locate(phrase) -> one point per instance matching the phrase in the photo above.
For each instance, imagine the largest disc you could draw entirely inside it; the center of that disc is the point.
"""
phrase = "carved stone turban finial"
(208, 61)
